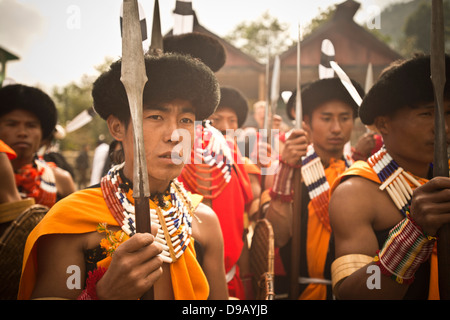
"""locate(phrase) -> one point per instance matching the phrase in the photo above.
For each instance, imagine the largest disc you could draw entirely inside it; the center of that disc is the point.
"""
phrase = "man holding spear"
(93, 234)
(328, 112)
(384, 213)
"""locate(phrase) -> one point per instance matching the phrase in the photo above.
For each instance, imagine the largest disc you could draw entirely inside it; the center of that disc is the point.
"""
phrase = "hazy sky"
(60, 40)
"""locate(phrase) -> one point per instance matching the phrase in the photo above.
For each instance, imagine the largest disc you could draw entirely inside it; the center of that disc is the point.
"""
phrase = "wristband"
(282, 185)
(356, 155)
(290, 165)
(405, 249)
(90, 292)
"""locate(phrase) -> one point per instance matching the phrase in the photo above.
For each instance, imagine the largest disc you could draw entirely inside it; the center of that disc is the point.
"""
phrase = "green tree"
(417, 28)
(73, 99)
(327, 14)
(255, 38)
(323, 17)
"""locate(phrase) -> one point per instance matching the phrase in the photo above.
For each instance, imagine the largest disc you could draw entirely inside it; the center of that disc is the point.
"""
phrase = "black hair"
(403, 83)
(318, 92)
(34, 100)
(170, 77)
(232, 98)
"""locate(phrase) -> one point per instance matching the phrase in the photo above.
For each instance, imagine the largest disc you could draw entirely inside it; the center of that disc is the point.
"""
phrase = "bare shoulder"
(205, 224)
(352, 210)
(354, 193)
(206, 213)
(61, 173)
(64, 182)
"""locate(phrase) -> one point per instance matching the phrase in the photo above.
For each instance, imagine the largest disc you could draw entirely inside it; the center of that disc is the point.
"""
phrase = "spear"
(266, 126)
(134, 78)
(440, 167)
(297, 205)
(267, 115)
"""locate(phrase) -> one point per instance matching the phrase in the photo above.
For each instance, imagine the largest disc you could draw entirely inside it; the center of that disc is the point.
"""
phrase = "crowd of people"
(374, 206)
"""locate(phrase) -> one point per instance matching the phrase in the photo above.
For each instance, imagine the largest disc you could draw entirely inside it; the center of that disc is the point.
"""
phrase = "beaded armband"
(282, 185)
(405, 249)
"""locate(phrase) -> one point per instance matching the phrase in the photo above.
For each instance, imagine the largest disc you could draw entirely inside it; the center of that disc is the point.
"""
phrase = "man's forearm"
(279, 214)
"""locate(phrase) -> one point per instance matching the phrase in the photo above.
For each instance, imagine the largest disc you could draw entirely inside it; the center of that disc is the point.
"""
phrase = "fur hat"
(34, 100)
(403, 83)
(318, 92)
(206, 48)
(170, 76)
(235, 100)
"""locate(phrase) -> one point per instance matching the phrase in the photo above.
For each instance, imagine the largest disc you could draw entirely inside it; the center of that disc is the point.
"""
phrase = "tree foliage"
(73, 99)
(256, 38)
(323, 17)
(417, 28)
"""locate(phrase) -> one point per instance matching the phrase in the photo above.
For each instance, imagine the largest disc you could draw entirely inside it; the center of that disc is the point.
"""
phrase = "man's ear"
(382, 125)
(116, 128)
(306, 124)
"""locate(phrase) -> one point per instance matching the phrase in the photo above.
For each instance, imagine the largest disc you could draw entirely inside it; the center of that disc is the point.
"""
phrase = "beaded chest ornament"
(174, 220)
(393, 179)
(313, 175)
(211, 160)
(406, 246)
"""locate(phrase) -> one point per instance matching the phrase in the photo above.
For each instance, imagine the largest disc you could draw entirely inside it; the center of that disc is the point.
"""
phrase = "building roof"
(354, 45)
(235, 57)
(5, 55)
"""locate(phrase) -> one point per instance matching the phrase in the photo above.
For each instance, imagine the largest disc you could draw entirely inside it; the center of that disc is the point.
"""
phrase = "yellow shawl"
(82, 212)
(317, 242)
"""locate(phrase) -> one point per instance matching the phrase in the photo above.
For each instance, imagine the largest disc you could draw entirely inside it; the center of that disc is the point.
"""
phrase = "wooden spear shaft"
(266, 126)
(134, 78)
(297, 205)
(440, 163)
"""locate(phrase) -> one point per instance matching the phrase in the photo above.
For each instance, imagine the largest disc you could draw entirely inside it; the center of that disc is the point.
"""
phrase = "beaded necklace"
(211, 160)
(397, 182)
(173, 219)
(313, 174)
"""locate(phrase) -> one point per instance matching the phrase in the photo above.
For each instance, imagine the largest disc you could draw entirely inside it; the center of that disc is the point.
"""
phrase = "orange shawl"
(317, 241)
(362, 169)
(7, 149)
(81, 212)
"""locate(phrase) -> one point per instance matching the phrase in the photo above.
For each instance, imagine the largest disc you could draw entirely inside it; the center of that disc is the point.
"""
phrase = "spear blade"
(156, 45)
(134, 78)
(440, 164)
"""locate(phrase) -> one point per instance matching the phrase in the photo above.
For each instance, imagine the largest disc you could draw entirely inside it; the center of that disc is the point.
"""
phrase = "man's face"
(164, 127)
(330, 126)
(410, 132)
(22, 131)
(224, 119)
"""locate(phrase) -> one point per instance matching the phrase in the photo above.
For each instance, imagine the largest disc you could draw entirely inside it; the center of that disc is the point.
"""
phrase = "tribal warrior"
(94, 229)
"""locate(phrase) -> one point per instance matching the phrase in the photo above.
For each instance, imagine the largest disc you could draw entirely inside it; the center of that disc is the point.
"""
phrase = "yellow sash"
(81, 212)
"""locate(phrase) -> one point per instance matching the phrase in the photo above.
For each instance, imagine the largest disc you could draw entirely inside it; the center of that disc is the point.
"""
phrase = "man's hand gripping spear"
(297, 205)
(440, 152)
